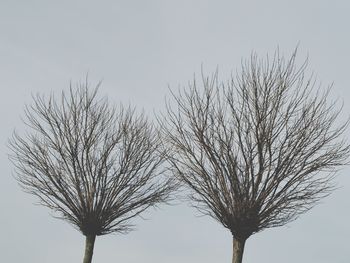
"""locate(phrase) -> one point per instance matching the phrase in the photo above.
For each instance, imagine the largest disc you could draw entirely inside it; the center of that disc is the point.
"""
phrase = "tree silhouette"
(97, 166)
(258, 150)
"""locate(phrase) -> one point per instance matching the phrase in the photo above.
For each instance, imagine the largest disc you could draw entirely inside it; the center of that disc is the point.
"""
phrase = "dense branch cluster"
(258, 150)
(96, 165)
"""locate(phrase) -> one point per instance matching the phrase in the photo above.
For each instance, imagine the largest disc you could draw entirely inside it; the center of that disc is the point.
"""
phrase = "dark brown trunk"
(89, 248)
(238, 248)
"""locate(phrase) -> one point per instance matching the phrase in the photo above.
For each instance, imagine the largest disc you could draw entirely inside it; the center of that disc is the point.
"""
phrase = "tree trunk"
(238, 248)
(89, 248)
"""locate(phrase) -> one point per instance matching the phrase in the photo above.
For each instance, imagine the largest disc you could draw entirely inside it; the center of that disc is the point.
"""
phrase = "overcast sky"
(138, 49)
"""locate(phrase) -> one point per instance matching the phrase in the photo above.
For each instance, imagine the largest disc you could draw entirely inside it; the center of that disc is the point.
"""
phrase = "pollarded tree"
(256, 151)
(97, 166)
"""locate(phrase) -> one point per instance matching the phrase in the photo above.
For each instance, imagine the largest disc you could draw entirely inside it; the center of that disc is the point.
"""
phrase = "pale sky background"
(138, 48)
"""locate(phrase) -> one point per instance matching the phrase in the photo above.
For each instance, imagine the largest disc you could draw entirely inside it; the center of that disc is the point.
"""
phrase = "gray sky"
(138, 48)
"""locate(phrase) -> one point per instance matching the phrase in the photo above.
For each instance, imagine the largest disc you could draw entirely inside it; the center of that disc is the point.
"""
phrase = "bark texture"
(89, 248)
(238, 248)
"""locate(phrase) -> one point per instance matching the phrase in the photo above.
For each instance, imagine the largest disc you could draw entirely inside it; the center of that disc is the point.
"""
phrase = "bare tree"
(256, 151)
(97, 166)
